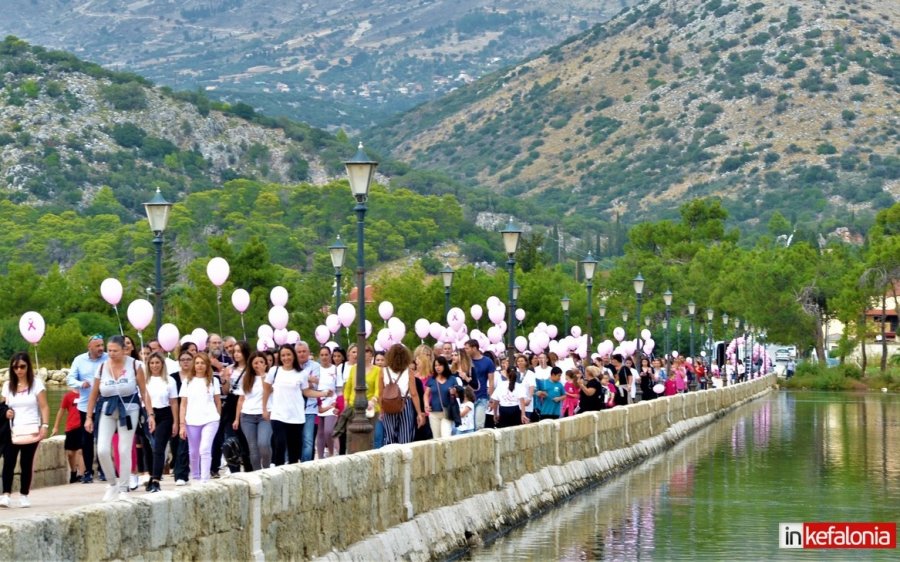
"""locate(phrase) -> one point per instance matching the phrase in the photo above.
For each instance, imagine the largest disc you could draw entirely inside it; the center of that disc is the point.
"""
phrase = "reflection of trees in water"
(617, 520)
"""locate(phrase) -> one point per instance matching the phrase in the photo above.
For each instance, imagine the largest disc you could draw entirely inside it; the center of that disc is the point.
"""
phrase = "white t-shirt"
(542, 373)
(124, 386)
(311, 373)
(201, 403)
(161, 391)
(25, 404)
(327, 381)
(287, 403)
(342, 372)
(468, 420)
(402, 380)
(253, 399)
(528, 381)
(506, 398)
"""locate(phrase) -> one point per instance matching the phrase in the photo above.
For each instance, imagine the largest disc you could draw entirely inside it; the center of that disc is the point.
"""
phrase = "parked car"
(783, 354)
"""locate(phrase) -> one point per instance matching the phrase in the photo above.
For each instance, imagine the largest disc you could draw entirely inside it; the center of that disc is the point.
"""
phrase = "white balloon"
(645, 334)
(278, 318)
(278, 295)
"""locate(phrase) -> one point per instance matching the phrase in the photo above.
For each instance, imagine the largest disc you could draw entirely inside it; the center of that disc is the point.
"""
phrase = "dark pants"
(161, 436)
(509, 416)
(245, 449)
(286, 437)
(27, 466)
(181, 458)
(87, 446)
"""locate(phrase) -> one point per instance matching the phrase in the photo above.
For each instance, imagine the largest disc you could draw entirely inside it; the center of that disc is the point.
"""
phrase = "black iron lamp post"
(511, 234)
(158, 216)
(447, 278)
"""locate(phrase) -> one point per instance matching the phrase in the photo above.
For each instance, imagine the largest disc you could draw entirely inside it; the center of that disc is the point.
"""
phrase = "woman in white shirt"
(284, 403)
(257, 430)
(27, 401)
(509, 401)
(163, 393)
(201, 409)
(327, 411)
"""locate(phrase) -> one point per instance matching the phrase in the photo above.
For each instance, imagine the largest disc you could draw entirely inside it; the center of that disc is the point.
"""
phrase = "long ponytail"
(512, 374)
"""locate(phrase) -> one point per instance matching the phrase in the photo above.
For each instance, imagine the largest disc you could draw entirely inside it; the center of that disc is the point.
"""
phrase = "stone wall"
(401, 502)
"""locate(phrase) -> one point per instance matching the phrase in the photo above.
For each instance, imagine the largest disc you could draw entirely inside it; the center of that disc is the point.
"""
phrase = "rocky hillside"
(347, 63)
(68, 127)
(789, 106)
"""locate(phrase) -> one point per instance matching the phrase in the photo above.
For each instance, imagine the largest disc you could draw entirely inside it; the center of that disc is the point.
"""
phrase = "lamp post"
(602, 318)
(158, 216)
(667, 298)
(678, 334)
(360, 171)
(338, 251)
(638, 283)
(737, 325)
(625, 321)
(709, 333)
(447, 278)
(692, 309)
(565, 302)
(590, 266)
(511, 234)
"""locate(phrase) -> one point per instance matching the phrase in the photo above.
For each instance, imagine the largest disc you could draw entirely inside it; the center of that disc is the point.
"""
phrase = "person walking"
(437, 398)
(116, 395)
(28, 414)
(73, 431)
(181, 464)
(257, 430)
(164, 395)
(481, 379)
(401, 426)
(232, 378)
(81, 378)
(310, 371)
(201, 410)
(327, 415)
(508, 401)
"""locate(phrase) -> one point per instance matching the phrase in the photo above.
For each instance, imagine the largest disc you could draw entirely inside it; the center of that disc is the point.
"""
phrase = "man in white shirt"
(309, 369)
(81, 378)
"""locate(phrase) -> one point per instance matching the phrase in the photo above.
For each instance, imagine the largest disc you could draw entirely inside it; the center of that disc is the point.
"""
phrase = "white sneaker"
(4, 501)
(112, 493)
(24, 502)
(134, 482)
(180, 483)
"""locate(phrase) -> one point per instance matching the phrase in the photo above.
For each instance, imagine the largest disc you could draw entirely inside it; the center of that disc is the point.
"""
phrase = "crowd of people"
(139, 412)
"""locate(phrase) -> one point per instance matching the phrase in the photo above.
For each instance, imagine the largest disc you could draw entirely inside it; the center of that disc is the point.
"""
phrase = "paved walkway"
(55, 499)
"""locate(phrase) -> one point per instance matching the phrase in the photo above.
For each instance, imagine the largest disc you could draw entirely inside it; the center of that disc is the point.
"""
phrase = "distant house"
(370, 295)
(876, 316)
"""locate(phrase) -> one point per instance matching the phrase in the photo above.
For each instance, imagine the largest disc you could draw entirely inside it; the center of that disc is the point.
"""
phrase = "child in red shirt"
(73, 434)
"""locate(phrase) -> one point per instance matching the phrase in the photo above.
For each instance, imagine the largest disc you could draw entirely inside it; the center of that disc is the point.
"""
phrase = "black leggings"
(161, 436)
(286, 436)
(87, 445)
(27, 466)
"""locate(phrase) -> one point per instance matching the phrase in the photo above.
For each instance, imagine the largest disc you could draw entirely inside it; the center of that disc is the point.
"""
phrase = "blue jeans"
(480, 412)
(309, 438)
(379, 434)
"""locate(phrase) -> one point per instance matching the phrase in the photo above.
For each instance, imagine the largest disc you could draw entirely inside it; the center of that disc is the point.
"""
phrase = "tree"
(61, 343)
(530, 254)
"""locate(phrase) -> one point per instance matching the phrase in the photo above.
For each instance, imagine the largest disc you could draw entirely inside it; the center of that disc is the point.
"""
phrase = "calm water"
(791, 457)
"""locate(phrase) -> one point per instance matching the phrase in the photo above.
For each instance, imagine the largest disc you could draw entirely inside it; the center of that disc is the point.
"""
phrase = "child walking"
(571, 389)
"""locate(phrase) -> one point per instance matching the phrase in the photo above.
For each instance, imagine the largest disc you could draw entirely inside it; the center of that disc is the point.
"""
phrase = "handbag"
(340, 427)
(25, 434)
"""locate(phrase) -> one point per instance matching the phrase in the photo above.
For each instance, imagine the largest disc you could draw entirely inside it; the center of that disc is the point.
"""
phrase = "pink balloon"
(535, 347)
(368, 328)
(496, 314)
(278, 318)
(322, 334)
(200, 336)
(378, 346)
(493, 301)
(494, 334)
(619, 333)
(346, 314)
(32, 326)
(264, 332)
(435, 330)
(240, 299)
(140, 313)
(333, 323)
(279, 296)
(111, 291)
(293, 337)
(476, 312)
(423, 328)
(575, 331)
(332, 345)
(520, 314)
(674, 354)
(552, 331)
(521, 343)
(385, 310)
(168, 337)
(455, 317)
(645, 334)
(217, 270)
(280, 336)
(397, 329)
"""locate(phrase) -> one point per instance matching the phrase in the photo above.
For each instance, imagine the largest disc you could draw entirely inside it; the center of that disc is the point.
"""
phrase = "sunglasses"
(20, 366)
(96, 337)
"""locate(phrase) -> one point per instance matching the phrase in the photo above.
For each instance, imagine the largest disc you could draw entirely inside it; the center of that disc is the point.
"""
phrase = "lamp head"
(158, 212)
(338, 251)
(447, 276)
(667, 297)
(564, 302)
(511, 234)
(360, 171)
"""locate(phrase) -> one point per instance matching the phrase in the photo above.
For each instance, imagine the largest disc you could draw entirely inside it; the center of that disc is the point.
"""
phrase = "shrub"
(125, 97)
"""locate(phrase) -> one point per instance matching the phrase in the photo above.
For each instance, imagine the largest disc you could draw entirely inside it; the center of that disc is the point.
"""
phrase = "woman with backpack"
(401, 412)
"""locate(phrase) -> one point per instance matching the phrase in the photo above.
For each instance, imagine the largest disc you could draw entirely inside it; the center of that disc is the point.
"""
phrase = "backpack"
(232, 451)
(392, 400)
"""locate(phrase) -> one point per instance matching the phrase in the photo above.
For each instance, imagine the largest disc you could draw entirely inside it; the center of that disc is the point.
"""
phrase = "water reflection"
(721, 493)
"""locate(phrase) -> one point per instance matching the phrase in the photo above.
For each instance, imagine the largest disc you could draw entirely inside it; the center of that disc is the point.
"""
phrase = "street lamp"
(625, 320)
(360, 171)
(516, 289)
(338, 251)
(158, 216)
(447, 278)
(725, 337)
(511, 234)
(602, 318)
(565, 302)
(737, 325)
(678, 334)
(692, 309)
(590, 266)
(647, 321)
(638, 283)
(709, 333)
(667, 298)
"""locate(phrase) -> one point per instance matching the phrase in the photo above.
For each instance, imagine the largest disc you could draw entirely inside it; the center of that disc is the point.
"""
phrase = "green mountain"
(770, 106)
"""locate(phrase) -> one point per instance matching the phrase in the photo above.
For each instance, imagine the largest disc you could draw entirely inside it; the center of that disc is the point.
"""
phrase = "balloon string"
(243, 329)
(37, 364)
(141, 339)
(119, 320)
(219, 306)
